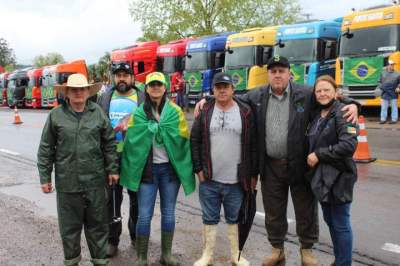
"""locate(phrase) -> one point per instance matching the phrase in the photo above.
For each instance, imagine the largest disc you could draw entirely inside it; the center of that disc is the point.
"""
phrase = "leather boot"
(277, 258)
(166, 245)
(233, 236)
(112, 250)
(209, 236)
(142, 246)
(307, 257)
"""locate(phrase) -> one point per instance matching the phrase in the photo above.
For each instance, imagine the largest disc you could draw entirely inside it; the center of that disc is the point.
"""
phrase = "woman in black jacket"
(332, 142)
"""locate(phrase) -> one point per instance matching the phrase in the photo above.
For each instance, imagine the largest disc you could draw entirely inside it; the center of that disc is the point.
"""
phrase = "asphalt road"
(375, 211)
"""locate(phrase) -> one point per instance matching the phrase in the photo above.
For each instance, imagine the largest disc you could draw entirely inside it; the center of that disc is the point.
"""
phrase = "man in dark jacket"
(118, 103)
(79, 141)
(225, 126)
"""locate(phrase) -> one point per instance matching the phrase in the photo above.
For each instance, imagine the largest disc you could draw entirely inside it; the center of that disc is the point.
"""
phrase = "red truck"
(33, 93)
(142, 57)
(171, 63)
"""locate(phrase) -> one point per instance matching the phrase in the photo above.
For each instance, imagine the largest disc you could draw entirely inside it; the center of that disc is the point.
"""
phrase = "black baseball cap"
(222, 77)
(278, 60)
(121, 66)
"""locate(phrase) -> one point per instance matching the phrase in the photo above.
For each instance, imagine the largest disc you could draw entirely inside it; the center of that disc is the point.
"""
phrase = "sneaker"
(382, 122)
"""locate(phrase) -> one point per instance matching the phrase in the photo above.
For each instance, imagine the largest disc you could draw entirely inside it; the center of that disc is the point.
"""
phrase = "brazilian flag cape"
(172, 132)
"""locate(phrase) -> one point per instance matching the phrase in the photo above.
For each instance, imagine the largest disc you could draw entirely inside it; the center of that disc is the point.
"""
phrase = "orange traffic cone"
(17, 118)
(362, 154)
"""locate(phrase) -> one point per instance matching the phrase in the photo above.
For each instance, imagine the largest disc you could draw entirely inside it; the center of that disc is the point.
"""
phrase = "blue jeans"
(214, 194)
(147, 194)
(337, 217)
(385, 106)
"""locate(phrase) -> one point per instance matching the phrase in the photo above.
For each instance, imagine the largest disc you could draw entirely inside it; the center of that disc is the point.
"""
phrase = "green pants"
(87, 209)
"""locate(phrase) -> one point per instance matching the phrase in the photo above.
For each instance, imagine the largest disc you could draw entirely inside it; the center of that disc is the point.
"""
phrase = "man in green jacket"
(80, 142)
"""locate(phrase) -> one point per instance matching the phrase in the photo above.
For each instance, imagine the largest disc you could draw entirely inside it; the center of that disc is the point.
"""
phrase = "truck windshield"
(240, 57)
(298, 51)
(197, 61)
(168, 65)
(22, 82)
(371, 40)
(32, 82)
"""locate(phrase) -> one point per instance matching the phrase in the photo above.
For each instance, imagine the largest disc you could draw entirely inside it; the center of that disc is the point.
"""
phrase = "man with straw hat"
(79, 141)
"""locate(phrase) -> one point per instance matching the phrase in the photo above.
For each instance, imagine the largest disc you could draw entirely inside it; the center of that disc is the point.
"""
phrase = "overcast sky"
(88, 28)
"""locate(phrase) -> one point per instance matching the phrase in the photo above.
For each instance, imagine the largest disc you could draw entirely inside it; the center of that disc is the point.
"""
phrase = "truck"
(370, 38)
(171, 57)
(247, 54)
(204, 58)
(142, 57)
(17, 82)
(310, 47)
(58, 74)
(32, 91)
(3, 88)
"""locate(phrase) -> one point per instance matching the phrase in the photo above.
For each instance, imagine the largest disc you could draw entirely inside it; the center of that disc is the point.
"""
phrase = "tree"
(7, 56)
(103, 66)
(48, 59)
(166, 20)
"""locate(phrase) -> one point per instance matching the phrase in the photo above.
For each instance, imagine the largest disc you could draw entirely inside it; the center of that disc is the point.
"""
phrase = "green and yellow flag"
(172, 132)
(193, 80)
(239, 77)
(362, 71)
(298, 72)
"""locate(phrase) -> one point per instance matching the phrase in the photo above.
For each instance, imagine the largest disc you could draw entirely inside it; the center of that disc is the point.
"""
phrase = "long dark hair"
(149, 105)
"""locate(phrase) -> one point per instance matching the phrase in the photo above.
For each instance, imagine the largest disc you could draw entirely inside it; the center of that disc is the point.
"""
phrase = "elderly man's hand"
(312, 159)
(351, 113)
(113, 179)
(199, 107)
(47, 188)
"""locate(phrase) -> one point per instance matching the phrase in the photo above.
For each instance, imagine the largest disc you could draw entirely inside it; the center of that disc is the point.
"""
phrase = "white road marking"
(261, 214)
(391, 247)
(9, 152)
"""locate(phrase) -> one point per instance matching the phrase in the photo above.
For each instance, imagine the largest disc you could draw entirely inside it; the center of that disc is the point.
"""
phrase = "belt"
(277, 161)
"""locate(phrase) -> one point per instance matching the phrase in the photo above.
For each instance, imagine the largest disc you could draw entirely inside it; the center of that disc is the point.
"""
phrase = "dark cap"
(278, 60)
(121, 66)
(222, 77)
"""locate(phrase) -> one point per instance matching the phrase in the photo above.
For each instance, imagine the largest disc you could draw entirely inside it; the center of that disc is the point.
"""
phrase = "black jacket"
(334, 176)
(201, 150)
(302, 103)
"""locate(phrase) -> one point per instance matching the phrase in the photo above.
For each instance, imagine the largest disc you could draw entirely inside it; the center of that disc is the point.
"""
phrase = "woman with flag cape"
(157, 157)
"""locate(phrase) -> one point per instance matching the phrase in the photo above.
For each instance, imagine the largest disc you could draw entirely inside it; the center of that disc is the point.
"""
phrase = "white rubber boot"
(209, 236)
(233, 236)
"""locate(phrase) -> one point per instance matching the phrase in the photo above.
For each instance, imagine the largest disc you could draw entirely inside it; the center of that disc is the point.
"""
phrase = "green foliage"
(164, 20)
(7, 56)
(101, 70)
(48, 59)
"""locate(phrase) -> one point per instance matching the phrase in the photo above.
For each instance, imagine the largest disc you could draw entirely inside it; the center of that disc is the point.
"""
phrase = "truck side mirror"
(280, 43)
(348, 34)
(159, 64)
(188, 55)
(229, 50)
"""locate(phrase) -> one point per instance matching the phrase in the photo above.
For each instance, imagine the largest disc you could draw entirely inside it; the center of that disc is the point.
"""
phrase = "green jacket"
(83, 151)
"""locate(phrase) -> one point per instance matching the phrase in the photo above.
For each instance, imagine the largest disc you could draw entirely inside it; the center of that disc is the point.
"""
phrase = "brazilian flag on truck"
(298, 73)
(239, 77)
(193, 80)
(362, 71)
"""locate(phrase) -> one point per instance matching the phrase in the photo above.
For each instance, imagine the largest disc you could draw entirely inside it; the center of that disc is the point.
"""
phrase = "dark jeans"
(147, 194)
(275, 189)
(337, 217)
(214, 194)
(116, 228)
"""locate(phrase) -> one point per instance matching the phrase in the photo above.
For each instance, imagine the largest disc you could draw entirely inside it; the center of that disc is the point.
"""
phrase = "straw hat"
(78, 81)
